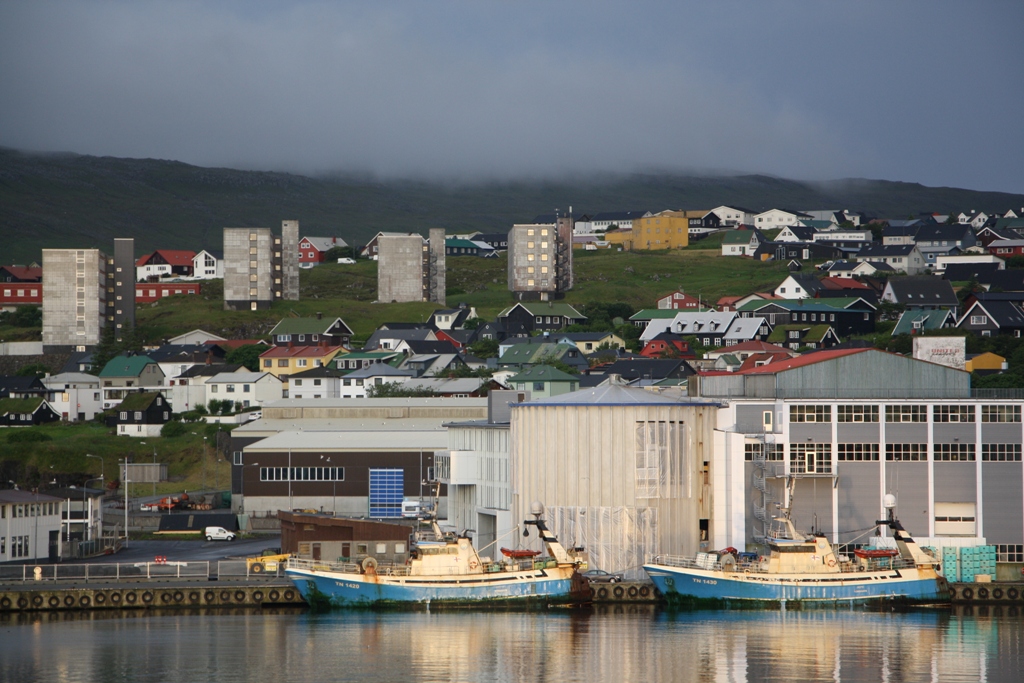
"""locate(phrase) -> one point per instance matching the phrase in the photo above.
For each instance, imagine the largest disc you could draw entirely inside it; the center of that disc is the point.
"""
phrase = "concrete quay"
(184, 594)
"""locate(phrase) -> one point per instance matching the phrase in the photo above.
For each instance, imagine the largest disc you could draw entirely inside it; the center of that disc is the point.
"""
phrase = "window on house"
(282, 362)
(952, 452)
(810, 413)
(906, 451)
(906, 413)
(958, 413)
(857, 452)
(1001, 452)
(857, 413)
(810, 458)
(770, 451)
(1000, 413)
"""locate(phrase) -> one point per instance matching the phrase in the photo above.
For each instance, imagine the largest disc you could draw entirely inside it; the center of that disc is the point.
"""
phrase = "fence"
(157, 570)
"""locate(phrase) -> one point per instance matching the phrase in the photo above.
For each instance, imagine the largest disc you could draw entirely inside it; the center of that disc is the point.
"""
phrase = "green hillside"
(66, 200)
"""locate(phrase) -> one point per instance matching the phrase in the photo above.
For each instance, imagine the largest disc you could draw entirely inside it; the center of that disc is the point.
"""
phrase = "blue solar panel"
(387, 488)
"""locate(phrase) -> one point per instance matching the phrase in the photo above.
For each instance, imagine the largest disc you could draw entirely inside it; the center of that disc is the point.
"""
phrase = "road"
(176, 550)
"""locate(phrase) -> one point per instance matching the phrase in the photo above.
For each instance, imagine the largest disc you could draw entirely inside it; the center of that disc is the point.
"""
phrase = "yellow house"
(985, 362)
(282, 361)
(665, 230)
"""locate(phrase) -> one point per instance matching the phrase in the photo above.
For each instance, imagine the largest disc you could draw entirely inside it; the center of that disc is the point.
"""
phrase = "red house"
(667, 345)
(20, 286)
(1006, 248)
(679, 301)
(147, 292)
(165, 263)
(312, 249)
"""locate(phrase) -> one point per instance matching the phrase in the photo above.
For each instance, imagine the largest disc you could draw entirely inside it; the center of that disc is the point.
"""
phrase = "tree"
(248, 355)
(23, 316)
(396, 390)
(484, 348)
(33, 370)
(173, 428)
(334, 253)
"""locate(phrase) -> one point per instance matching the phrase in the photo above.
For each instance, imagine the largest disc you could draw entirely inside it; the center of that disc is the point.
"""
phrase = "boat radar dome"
(889, 501)
(537, 508)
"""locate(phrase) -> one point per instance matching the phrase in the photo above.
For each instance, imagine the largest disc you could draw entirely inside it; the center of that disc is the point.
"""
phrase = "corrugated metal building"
(619, 470)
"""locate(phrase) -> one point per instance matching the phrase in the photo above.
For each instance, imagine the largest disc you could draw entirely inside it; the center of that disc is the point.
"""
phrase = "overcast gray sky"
(929, 92)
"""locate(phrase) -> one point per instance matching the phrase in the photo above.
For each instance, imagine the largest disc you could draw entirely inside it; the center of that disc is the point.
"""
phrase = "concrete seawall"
(29, 598)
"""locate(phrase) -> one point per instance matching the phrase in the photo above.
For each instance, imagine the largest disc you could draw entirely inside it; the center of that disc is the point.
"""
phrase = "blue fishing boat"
(445, 569)
(801, 569)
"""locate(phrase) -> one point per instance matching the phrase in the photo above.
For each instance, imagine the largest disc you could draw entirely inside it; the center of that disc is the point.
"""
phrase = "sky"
(929, 92)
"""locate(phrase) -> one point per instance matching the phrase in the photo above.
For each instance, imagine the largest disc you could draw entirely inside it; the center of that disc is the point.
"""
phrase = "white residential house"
(796, 233)
(30, 525)
(354, 384)
(798, 287)
(778, 218)
(207, 266)
(900, 257)
(195, 337)
(248, 388)
(321, 382)
(731, 216)
(76, 395)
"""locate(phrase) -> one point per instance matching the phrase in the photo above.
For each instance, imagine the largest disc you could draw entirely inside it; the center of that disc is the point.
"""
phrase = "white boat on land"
(805, 570)
(445, 568)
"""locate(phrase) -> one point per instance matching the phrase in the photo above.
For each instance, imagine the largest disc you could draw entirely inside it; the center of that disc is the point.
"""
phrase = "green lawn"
(63, 457)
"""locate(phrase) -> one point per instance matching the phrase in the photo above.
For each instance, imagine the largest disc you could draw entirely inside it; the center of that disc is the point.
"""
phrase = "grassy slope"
(80, 201)
(64, 458)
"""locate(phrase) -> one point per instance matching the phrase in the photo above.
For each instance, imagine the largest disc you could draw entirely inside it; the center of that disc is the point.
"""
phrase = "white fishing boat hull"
(910, 585)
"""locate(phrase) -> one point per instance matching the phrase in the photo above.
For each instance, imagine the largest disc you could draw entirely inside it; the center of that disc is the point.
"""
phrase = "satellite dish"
(889, 501)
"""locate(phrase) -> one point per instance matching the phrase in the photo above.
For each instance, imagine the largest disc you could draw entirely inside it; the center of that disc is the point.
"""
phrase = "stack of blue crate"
(970, 564)
(987, 560)
(951, 563)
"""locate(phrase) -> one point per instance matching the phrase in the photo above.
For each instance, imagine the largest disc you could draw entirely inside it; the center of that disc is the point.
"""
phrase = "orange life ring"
(831, 561)
(473, 564)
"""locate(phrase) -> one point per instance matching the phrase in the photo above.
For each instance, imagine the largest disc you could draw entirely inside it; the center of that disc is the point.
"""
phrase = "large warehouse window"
(386, 490)
(661, 465)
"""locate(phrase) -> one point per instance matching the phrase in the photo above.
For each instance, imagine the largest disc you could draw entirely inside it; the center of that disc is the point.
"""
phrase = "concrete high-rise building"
(540, 260)
(436, 267)
(260, 267)
(290, 260)
(74, 298)
(121, 287)
(403, 268)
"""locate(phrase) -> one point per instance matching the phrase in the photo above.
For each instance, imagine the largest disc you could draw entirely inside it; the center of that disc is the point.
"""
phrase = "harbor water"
(621, 643)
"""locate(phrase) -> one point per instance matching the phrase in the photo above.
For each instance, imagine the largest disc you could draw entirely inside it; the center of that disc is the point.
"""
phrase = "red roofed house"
(20, 286)
(667, 345)
(282, 361)
(679, 301)
(744, 350)
(165, 263)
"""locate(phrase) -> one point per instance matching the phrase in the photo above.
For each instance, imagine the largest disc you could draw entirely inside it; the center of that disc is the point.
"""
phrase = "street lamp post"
(102, 463)
(125, 482)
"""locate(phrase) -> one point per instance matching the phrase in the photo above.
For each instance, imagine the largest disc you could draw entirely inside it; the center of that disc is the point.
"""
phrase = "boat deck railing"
(389, 569)
(845, 566)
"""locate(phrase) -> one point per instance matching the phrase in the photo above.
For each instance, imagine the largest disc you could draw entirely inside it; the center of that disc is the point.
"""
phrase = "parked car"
(219, 533)
(601, 576)
(347, 261)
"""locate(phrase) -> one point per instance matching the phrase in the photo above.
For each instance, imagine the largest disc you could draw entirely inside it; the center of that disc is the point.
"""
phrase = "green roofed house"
(804, 336)
(26, 412)
(363, 359)
(311, 332)
(525, 318)
(142, 414)
(124, 375)
(918, 322)
(544, 381)
(522, 356)
(646, 315)
(457, 246)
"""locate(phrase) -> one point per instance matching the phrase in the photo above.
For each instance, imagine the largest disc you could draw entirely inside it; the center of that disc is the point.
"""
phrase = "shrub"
(173, 428)
(28, 436)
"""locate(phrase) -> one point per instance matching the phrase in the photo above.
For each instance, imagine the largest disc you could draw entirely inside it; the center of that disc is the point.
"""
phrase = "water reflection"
(615, 644)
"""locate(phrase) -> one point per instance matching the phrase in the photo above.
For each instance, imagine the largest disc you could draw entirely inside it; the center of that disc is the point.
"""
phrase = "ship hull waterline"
(541, 588)
(684, 585)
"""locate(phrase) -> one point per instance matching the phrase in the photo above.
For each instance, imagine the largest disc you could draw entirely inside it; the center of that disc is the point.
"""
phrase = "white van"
(219, 533)
(413, 508)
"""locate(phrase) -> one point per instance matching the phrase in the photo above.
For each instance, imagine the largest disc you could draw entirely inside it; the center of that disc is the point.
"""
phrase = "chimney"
(334, 240)
(319, 315)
